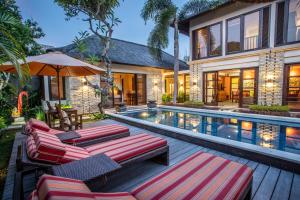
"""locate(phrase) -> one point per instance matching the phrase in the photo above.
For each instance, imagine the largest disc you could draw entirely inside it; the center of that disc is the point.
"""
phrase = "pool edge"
(280, 159)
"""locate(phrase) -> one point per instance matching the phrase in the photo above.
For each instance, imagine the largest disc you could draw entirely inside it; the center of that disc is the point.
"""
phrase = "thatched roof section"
(124, 52)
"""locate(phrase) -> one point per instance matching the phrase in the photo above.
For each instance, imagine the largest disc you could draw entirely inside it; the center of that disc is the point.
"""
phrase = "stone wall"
(82, 96)
(155, 87)
(196, 82)
(271, 68)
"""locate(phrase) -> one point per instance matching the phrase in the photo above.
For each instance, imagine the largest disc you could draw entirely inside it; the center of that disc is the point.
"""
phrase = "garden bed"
(275, 113)
(192, 106)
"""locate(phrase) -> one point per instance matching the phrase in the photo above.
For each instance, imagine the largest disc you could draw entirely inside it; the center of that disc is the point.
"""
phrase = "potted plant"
(121, 107)
(151, 104)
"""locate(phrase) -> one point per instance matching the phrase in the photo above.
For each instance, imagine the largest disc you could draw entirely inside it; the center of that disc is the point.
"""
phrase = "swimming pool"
(280, 135)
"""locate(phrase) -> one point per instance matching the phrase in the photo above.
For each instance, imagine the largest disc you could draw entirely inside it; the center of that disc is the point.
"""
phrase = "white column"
(224, 37)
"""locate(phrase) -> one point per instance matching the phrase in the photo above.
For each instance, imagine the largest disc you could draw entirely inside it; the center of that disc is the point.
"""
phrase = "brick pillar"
(196, 82)
(270, 83)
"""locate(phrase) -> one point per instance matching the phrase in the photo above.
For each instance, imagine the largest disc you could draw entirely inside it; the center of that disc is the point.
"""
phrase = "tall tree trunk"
(176, 59)
(108, 76)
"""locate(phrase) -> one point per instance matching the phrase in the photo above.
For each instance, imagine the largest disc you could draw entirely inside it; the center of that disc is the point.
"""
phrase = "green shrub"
(66, 106)
(2, 123)
(166, 98)
(180, 97)
(272, 108)
(40, 115)
(194, 103)
(98, 116)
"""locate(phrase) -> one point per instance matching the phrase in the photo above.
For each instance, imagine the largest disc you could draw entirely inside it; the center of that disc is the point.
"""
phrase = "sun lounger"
(83, 137)
(42, 150)
(201, 176)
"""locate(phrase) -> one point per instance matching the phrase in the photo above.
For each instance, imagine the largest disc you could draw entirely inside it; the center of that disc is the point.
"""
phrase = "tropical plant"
(165, 14)
(40, 115)
(102, 21)
(2, 123)
(98, 116)
(80, 44)
(166, 98)
(271, 108)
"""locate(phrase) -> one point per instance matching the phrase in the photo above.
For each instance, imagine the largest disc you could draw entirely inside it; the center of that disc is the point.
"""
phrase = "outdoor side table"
(93, 170)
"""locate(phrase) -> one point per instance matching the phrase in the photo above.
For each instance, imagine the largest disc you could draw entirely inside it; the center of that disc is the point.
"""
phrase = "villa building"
(138, 76)
(245, 53)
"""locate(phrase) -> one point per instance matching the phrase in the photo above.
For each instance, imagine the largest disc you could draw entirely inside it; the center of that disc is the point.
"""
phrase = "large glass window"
(207, 42)
(293, 31)
(215, 40)
(234, 35)
(201, 38)
(53, 87)
(251, 31)
(288, 22)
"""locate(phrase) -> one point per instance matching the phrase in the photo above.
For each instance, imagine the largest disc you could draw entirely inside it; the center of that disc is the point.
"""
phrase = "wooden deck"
(268, 183)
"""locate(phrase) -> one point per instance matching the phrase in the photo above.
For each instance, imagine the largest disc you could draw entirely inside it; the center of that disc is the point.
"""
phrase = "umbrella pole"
(58, 88)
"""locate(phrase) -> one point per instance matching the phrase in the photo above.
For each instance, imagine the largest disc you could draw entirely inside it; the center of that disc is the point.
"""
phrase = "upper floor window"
(248, 32)
(207, 42)
(288, 22)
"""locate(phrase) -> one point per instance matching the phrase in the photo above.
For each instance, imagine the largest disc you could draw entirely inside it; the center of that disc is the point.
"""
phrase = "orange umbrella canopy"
(50, 63)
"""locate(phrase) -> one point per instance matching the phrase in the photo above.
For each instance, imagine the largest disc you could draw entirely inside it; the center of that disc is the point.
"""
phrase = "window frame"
(63, 96)
(242, 30)
(285, 24)
(208, 39)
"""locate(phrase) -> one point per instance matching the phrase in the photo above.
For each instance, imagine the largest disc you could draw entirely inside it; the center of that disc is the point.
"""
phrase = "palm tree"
(165, 14)
(10, 49)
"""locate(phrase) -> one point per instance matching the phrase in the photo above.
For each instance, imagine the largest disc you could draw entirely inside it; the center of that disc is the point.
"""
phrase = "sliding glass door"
(210, 88)
(292, 87)
(248, 86)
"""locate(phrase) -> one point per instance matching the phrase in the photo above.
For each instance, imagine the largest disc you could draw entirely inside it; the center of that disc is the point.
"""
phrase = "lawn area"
(6, 143)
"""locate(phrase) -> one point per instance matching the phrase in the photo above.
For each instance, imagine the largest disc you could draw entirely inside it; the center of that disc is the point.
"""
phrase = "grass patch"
(6, 144)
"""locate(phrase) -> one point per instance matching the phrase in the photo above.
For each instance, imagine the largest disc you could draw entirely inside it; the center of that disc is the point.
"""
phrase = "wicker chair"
(68, 121)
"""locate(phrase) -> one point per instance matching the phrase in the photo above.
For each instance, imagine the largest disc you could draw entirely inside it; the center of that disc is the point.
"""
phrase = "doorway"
(231, 88)
(128, 88)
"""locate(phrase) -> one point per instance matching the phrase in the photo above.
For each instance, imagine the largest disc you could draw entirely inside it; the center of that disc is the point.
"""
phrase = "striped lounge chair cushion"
(58, 188)
(33, 196)
(129, 147)
(98, 132)
(44, 147)
(74, 153)
(37, 124)
(201, 176)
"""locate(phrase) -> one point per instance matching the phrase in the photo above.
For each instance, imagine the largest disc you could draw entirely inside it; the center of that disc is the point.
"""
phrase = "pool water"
(270, 134)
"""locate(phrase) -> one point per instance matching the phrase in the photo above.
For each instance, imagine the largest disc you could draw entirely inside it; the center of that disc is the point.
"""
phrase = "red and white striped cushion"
(58, 188)
(201, 176)
(98, 132)
(114, 196)
(74, 153)
(37, 124)
(128, 147)
(49, 144)
(31, 147)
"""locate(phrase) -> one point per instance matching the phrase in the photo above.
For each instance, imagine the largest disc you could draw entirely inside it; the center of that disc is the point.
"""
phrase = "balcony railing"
(251, 42)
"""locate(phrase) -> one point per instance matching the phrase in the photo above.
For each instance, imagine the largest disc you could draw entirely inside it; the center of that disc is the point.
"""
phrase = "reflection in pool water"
(276, 136)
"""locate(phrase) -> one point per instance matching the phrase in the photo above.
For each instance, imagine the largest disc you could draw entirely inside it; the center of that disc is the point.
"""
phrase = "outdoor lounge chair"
(43, 150)
(84, 137)
(200, 176)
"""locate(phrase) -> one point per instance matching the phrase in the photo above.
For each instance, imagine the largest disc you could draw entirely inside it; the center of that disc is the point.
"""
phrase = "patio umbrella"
(55, 64)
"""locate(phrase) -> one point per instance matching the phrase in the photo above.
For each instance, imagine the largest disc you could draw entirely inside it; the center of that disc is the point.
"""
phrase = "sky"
(59, 32)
